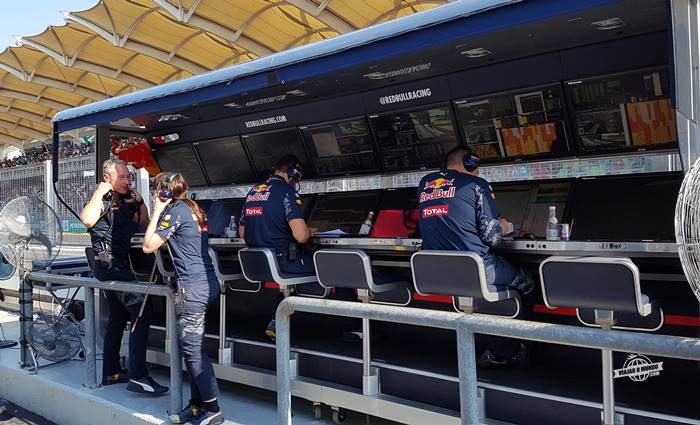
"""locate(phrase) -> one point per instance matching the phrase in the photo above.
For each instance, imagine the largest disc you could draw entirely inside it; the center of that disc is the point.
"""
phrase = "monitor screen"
(219, 215)
(527, 204)
(225, 161)
(180, 159)
(631, 208)
(627, 111)
(343, 210)
(266, 148)
(204, 204)
(416, 139)
(344, 147)
(398, 214)
(516, 124)
(307, 203)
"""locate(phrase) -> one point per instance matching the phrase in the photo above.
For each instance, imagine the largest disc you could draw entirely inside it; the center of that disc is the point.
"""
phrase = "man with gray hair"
(112, 216)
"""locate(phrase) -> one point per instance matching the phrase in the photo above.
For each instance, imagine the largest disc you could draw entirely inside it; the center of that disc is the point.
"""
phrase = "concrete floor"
(57, 394)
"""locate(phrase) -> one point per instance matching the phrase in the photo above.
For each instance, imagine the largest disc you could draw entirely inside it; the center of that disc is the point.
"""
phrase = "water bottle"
(552, 232)
(232, 229)
(367, 225)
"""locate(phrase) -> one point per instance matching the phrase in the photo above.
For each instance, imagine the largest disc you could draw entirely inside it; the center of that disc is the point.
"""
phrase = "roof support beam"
(27, 131)
(216, 29)
(26, 97)
(20, 113)
(319, 12)
(10, 140)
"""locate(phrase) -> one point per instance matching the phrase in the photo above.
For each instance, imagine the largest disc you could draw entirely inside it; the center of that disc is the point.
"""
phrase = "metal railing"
(466, 325)
(89, 285)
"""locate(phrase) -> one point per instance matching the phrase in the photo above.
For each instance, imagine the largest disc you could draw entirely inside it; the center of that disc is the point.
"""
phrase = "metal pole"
(175, 361)
(26, 316)
(366, 349)
(468, 391)
(90, 356)
(608, 388)
(284, 392)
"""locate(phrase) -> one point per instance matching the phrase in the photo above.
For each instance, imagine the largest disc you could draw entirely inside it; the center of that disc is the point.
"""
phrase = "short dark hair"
(285, 163)
(456, 155)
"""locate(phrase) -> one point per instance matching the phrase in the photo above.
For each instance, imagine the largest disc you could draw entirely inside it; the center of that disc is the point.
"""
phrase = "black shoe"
(209, 418)
(270, 331)
(521, 359)
(117, 378)
(488, 360)
(188, 414)
(146, 385)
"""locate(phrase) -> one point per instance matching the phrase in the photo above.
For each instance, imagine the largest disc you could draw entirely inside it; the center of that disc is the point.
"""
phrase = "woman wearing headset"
(181, 224)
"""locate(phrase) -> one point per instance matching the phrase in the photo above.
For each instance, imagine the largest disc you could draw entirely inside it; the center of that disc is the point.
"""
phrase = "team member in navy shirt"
(112, 216)
(273, 217)
(458, 213)
(181, 224)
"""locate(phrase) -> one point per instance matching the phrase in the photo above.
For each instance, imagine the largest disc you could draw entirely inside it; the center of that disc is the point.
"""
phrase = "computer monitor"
(307, 203)
(398, 214)
(266, 148)
(343, 210)
(219, 215)
(204, 204)
(527, 204)
(341, 147)
(181, 159)
(625, 208)
(225, 161)
(415, 139)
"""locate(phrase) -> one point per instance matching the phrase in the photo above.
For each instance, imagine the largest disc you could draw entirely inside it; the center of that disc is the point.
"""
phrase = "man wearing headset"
(112, 216)
(458, 213)
(273, 217)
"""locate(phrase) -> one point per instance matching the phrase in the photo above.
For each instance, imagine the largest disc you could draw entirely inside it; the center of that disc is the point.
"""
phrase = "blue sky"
(30, 17)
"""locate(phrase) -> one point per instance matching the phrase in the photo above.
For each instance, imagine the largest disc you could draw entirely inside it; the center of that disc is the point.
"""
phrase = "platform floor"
(56, 393)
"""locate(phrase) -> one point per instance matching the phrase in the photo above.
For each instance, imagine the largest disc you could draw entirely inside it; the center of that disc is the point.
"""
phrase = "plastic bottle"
(232, 229)
(367, 225)
(552, 231)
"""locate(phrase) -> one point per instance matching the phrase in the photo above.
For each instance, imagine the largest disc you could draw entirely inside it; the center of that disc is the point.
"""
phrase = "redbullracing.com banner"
(405, 96)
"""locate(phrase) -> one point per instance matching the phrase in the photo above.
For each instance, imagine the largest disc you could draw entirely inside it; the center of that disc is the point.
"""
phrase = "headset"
(163, 191)
(471, 160)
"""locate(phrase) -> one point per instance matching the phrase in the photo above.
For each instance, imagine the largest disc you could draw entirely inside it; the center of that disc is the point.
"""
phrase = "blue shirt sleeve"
(169, 223)
(292, 205)
(490, 229)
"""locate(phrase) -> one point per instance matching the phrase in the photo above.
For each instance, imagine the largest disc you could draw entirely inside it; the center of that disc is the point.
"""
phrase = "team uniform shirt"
(268, 208)
(113, 232)
(188, 243)
(457, 212)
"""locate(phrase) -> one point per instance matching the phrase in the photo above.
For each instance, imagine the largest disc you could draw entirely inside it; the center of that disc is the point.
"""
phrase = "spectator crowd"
(39, 155)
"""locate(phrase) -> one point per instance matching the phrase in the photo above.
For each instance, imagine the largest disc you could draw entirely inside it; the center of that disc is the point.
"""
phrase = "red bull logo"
(437, 189)
(436, 211)
(260, 192)
(253, 211)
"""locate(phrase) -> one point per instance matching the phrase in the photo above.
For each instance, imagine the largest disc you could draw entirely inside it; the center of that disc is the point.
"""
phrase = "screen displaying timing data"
(180, 159)
(219, 215)
(225, 161)
(515, 125)
(345, 211)
(625, 208)
(416, 139)
(526, 205)
(344, 147)
(623, 112)
(398, 214)
(204, 204)
(266, 148)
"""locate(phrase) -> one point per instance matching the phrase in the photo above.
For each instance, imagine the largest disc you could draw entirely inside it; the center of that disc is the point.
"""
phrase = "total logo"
(436, 211)
(260, 192)
(253, 211)
(437, 189)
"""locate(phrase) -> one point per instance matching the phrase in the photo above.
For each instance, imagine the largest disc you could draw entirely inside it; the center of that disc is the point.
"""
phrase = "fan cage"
(687, 225)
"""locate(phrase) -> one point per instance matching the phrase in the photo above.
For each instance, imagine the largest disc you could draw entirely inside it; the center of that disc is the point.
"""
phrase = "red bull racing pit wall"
(569, 104)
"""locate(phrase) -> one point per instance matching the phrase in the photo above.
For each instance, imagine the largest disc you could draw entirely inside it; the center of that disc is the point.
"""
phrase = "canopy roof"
(120, 46)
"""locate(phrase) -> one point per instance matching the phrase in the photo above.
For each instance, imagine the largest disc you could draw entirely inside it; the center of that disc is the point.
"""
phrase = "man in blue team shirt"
(273, 217)
(458, 213)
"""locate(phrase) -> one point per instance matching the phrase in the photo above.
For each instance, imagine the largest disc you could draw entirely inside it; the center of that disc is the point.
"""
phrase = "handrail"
(466, 325)
(90, 284)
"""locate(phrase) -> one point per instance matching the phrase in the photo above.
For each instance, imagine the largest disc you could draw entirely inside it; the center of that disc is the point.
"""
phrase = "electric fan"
(688, 227)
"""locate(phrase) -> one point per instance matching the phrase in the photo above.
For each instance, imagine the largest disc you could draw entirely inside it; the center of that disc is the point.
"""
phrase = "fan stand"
(7, 343)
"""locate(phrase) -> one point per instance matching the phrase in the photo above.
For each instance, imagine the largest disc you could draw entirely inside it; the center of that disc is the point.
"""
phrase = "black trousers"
(124, 307)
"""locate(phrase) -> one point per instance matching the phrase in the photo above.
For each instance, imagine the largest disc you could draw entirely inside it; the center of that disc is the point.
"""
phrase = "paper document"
(334, 232)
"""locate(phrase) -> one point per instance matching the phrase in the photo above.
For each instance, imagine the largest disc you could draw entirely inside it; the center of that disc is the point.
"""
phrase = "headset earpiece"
(471, 160)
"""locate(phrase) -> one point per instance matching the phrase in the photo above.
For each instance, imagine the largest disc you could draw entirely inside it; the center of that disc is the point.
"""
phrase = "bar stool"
(606, 285)
(228, 277)
(461, 275)
(351, 268)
